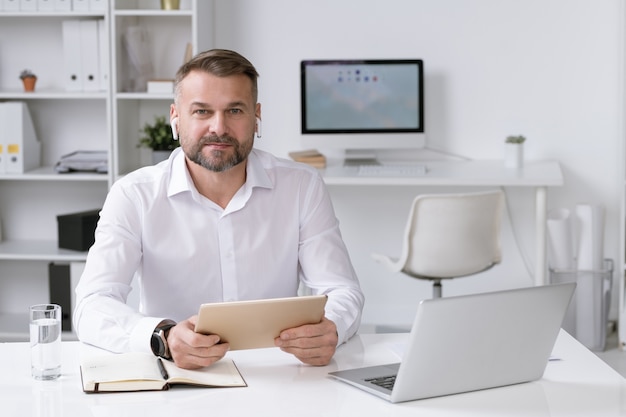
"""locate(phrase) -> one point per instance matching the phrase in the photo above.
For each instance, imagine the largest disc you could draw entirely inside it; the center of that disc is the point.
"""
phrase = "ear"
(174, 124)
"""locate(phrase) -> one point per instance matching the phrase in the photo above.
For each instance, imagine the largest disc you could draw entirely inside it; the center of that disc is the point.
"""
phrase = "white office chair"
(450, 236)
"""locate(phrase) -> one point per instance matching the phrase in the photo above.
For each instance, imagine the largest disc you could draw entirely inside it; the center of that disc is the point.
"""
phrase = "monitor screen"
(363, 103)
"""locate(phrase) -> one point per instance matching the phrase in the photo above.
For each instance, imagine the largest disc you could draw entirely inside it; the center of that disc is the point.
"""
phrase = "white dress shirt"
(279, 230)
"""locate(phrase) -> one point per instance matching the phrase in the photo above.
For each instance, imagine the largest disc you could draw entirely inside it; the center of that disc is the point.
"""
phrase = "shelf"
(151, 12)
(54, 13)
(38, 250)
(53, 94)
(48, 174)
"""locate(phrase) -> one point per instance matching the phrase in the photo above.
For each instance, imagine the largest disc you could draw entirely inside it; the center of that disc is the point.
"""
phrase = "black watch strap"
(158, 342)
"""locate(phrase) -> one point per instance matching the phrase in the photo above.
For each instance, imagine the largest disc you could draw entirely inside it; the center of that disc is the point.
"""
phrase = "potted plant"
(158, 137)
(28, 79)
(514, 151)
(515, 139)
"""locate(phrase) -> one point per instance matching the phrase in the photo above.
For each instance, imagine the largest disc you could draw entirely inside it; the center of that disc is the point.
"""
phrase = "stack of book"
(311, 157)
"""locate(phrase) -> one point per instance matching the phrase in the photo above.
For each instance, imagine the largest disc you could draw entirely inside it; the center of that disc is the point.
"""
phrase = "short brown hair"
(221, 63)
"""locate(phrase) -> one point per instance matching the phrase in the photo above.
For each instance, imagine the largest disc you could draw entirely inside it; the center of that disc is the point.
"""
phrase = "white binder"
(10, 5)
(28, 5)
(22, 147)
(80, 5)
(89, 55)
(62, 5)
(71, 55)
(45, 5)
(98, 5)
(103, 55)
(3, 143)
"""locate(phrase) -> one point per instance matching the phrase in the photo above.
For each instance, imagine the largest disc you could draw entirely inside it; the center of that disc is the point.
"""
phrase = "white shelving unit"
(192, 25)
(68, 121)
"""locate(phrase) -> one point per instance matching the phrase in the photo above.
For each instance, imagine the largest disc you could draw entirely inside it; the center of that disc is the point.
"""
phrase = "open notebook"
(471, 342)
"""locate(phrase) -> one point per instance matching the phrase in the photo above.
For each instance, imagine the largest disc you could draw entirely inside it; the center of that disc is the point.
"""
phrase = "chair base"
(437, 288)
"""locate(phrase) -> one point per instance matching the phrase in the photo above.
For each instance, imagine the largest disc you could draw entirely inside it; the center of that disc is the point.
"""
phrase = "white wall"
(548, 69)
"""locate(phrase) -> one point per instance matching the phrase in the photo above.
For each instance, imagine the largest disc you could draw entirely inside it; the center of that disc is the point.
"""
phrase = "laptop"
(471, 342)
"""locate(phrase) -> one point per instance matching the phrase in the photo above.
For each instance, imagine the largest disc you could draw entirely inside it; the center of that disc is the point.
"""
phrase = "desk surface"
(461, 173)
(579, 384)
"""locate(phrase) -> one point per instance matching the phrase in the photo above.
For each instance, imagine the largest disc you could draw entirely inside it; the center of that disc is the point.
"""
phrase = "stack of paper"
(86, 161)
(311, 157)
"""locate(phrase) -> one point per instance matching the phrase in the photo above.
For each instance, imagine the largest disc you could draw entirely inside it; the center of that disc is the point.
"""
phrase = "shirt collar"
(180, 178)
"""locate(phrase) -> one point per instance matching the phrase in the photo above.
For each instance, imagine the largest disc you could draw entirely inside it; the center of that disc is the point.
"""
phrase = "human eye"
(235, 112)
(201, 113)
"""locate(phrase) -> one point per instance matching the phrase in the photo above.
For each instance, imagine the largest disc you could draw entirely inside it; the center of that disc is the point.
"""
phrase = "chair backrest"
(452, 235)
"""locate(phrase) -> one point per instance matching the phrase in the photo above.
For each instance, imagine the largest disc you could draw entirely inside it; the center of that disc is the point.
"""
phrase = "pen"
(162, 369)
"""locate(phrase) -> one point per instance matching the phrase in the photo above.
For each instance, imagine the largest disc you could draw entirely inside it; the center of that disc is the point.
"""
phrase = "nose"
(217, 126)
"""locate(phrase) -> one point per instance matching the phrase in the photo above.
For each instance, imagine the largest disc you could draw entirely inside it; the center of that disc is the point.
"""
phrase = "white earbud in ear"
(258, 127)
(174, 124)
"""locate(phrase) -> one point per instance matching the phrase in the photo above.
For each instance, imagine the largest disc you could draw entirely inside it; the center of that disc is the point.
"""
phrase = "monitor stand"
(356, 157)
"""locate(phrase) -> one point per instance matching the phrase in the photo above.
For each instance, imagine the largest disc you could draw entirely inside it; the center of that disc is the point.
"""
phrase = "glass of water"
(45, 341)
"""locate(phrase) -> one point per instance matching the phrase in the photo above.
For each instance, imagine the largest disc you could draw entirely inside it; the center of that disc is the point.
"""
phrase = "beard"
(219, 160)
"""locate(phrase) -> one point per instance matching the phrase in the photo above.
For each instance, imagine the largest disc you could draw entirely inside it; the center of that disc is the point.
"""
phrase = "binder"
(22, 147)
(62, 5)
(98, 5)
(28, 5)
(11, 5)
(60, 291)
(89, 55)
(45, 5)
(80, 5)
(2, 157)
(71, 55)
(103, 55)
(3, 142)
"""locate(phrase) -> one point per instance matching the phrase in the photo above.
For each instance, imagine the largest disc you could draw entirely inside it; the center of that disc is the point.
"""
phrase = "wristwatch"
(158, 342)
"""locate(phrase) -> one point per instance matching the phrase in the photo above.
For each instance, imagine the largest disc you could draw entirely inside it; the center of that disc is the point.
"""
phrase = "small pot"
(514, 155)
(29, 83)
(170, 4)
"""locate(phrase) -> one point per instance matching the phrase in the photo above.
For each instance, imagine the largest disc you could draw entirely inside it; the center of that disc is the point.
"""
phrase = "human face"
(217, 118)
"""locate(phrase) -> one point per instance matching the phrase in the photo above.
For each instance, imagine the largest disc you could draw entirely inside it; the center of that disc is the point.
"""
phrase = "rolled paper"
(561, 240)
(591, 237)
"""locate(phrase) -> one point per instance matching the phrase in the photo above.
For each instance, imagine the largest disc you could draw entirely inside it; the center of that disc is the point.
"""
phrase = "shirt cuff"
(142, 333)
(341, 328)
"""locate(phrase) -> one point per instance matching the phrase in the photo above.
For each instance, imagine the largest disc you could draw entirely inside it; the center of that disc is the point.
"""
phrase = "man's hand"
(191, 350)
(313, 344)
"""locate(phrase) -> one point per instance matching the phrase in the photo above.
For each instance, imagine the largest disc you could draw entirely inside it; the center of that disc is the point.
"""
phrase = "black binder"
(61, 292)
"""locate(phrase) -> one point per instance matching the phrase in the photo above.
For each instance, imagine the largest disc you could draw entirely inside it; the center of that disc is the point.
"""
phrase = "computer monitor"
(361, 106)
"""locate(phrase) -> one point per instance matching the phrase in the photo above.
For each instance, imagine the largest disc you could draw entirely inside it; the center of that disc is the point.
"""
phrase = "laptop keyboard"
(383, 381)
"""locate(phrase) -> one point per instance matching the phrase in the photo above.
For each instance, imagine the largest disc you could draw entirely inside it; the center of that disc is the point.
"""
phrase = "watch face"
(156, 343)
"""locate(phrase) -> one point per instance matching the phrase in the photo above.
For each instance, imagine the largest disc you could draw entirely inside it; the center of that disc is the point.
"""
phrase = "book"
(138, 371)
(160, 86)
(310, 156)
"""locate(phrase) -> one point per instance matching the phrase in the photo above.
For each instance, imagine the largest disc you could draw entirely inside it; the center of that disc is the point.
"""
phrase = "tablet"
(256, 323)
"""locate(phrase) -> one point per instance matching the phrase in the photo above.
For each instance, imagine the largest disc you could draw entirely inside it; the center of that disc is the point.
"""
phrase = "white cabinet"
(109, 120)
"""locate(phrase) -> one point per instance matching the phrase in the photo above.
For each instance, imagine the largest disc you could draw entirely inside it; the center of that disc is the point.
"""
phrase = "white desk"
(579, 384)
(537, 174)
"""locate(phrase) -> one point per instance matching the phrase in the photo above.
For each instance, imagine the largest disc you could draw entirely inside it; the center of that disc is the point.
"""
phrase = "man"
(217, 221)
